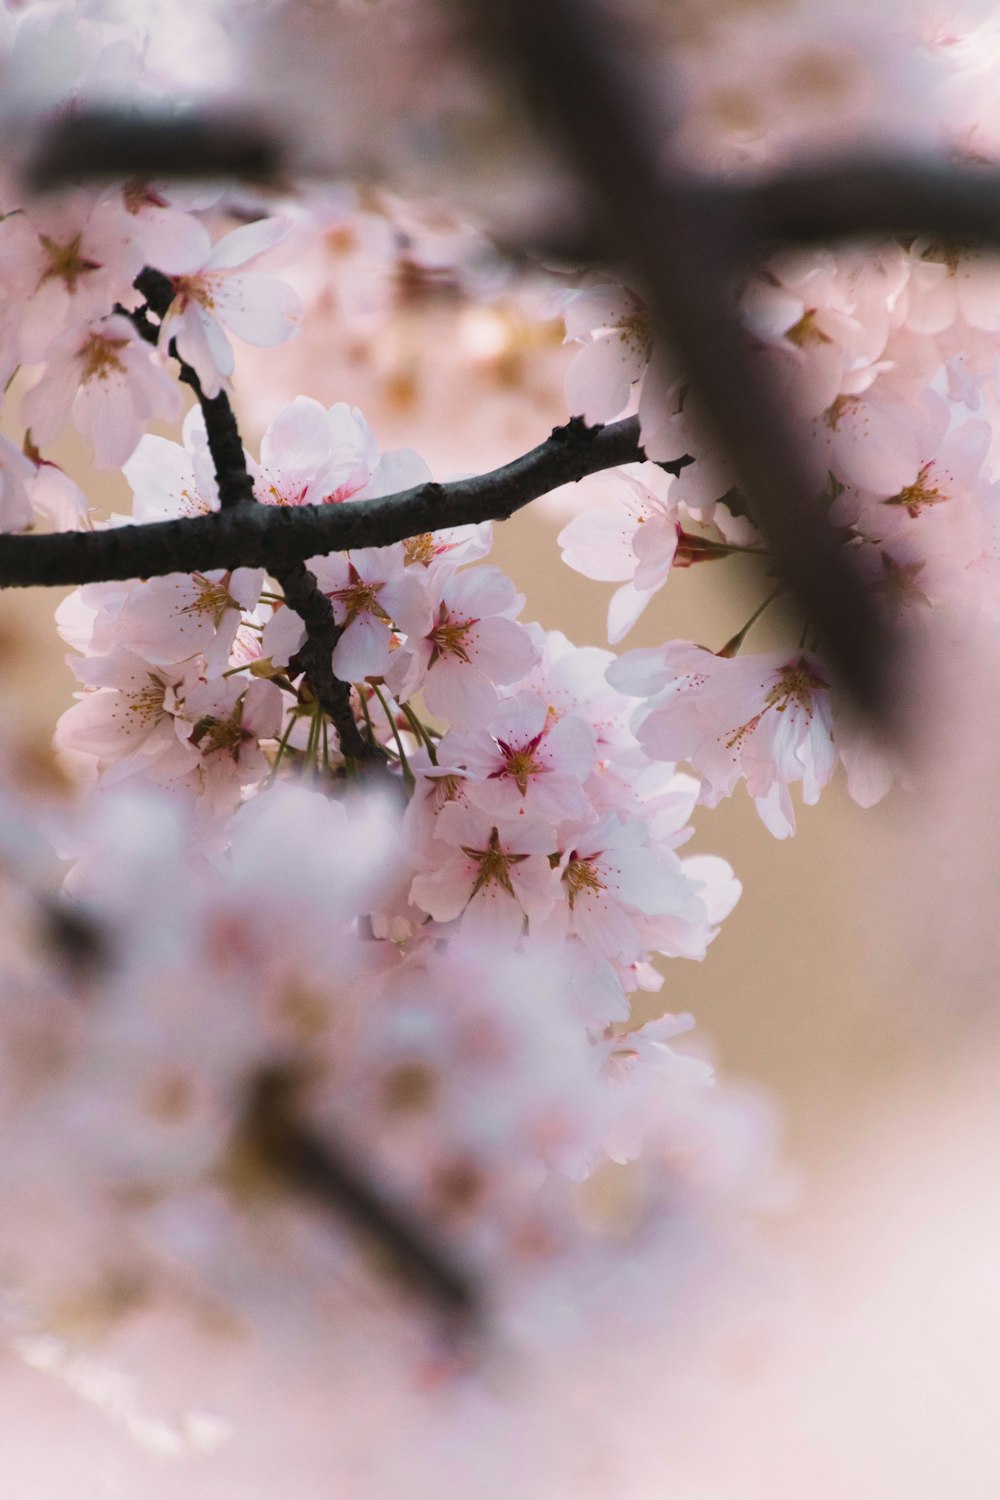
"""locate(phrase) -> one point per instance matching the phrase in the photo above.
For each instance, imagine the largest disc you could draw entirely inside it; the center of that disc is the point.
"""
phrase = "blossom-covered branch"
(278, 537)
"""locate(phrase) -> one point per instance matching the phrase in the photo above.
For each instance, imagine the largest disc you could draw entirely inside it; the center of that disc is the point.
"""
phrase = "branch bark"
(279, 537)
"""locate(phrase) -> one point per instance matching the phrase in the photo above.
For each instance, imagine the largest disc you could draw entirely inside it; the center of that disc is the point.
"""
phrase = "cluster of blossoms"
(256, 975)
(167, 1234)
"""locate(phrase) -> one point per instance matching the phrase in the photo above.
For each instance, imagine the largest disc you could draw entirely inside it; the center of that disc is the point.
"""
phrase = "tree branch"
(686, 256)
(277, 537)
(304, 595)
(275, 1133)
(224, 441)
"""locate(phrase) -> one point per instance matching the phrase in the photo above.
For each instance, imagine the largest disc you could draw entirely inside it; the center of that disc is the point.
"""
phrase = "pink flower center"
(519, 765)
(213, 599)
(66, 263)
(796, 683)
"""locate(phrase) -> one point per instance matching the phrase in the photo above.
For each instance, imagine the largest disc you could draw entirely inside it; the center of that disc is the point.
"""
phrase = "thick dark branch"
(817, 201)
(277, 537)
(304, 595)
(834, 200)
(98, 143)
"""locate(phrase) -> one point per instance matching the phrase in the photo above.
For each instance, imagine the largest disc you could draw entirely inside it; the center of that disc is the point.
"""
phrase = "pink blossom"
(128, 718)
(169, 480)
(226, 720)
(614, 329)
(106, 376)
(17, 512)
(71, 267)
(471, 648)
(212, 292)
(611, 879)
(494, 876)
(764, 718)
(173, 618)
(524, 763)
(635, 538)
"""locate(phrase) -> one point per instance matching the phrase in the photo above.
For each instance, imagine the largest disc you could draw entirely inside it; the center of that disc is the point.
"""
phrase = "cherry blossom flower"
(764, 718)
(525, 765)
(493, 876)
(104, 374)
(169, 480)
(212, 293)
(371, 592)
(17, 512)
(227, 720)
(471, 648)
(70, 267)
(610, 879)
(613, 327)
(172, 618)
(128, 719)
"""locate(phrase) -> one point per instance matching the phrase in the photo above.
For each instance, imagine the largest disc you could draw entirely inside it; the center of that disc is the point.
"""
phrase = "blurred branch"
(274, 1131)
(91, 144)
(686, 257)
(870, 196)
(278, 537)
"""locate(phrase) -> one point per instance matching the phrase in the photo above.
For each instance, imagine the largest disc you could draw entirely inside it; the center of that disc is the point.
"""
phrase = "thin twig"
(224, 441)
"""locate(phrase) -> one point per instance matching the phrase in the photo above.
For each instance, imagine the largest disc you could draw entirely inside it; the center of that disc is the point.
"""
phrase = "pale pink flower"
(880, 445)
(57, 497)
(226, 720)
(372, 594)
(493, 876)
(471, 647)
(173, 618)
(448, 548)
(107, 377)
(312, 456)
(524, 763)
(611, 879)
(127, 720)
(635, 538)
(17, 511)
(69, 265)
(212, 293)
(168, 480)
(765, 718)
(614, 329)
(158, 232)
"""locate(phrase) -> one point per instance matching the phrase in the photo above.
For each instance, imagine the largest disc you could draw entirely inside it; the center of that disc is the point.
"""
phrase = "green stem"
(732, 646)
(408, 775)
(282, 747)
(420, 730)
